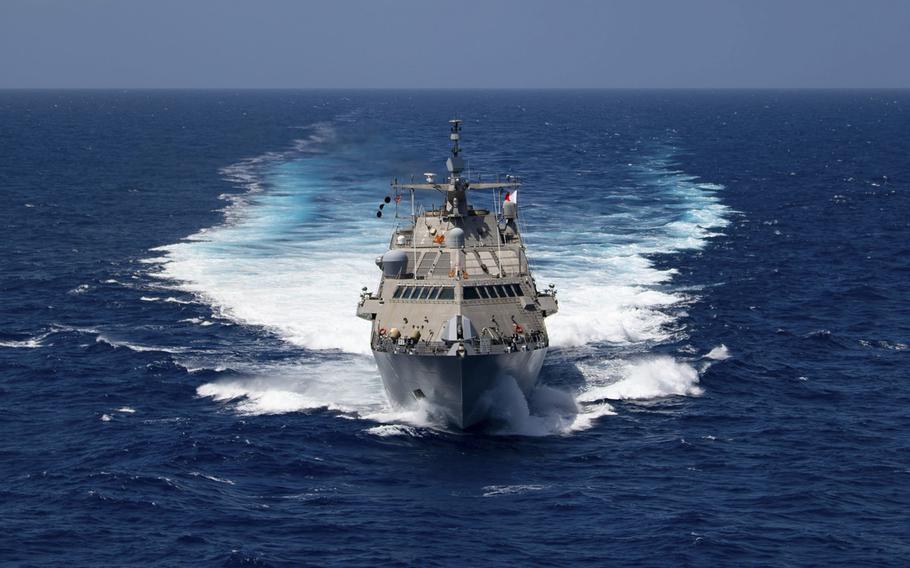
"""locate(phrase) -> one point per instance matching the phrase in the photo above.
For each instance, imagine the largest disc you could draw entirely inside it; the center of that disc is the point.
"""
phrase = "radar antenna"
(455, 136)
(455, 164)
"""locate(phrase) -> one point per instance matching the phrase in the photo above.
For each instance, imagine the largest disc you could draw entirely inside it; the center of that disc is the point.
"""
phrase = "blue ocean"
(183, 380)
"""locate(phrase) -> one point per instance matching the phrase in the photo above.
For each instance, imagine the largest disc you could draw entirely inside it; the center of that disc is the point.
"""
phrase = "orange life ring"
(451, 274)
(382, 331)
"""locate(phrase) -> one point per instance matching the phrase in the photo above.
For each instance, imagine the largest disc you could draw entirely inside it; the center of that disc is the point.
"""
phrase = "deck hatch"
(426, 263)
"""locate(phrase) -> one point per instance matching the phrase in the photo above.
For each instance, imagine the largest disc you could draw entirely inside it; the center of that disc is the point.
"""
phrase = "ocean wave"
(389, 430)
(198, 321)
(29, 343)
(279, 389)
(119, 344)
(719, 353)
(503, 490)
(212, 478)
(647, 377)
(16, 341)
(80, 289)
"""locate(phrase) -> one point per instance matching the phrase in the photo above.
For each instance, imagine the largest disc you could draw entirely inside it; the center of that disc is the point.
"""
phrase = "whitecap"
(648, 377)
(212, 478)
(32, 343)
(136, 347)
(279, 389)
(80, 289)
(502, 490)
(387, 430)
(719, 353)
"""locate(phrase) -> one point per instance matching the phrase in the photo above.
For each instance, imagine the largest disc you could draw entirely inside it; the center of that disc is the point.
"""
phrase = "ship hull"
(457, 388)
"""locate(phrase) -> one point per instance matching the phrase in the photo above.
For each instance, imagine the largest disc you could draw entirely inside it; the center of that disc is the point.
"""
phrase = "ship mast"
(456, 200)
(456, 187)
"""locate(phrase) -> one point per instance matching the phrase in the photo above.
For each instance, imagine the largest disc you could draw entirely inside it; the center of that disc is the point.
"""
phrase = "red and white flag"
(512, 196)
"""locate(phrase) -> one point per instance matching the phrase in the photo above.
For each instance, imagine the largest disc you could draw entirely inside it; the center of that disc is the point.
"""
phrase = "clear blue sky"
(429, 43)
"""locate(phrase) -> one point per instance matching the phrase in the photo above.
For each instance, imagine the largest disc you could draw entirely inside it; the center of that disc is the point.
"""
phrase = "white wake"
(293, 263)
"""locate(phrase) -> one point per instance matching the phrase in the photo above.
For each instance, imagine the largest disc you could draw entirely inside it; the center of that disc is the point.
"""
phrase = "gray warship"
(457, 309)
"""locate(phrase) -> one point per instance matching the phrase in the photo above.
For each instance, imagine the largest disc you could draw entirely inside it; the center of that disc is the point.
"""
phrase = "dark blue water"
(183, 381)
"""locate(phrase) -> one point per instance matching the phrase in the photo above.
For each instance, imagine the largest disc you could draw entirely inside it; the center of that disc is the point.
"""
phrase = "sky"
(452, 44)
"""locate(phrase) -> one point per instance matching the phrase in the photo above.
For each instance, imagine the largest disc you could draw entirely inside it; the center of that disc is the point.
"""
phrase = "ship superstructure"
(457, 309)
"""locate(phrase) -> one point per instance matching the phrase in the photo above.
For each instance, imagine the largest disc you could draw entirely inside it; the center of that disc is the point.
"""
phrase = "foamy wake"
(613, 293)
(274, 263)
(648, 377)
(31, 343)
(545, 412)
(358, 394)
(351, 388)
(348, 385)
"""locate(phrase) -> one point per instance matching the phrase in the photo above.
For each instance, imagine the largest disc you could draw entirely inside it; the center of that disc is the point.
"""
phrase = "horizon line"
(555, 89)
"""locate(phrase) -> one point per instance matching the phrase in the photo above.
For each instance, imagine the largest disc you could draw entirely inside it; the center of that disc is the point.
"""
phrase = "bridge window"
(492, 292)
(424, 293)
